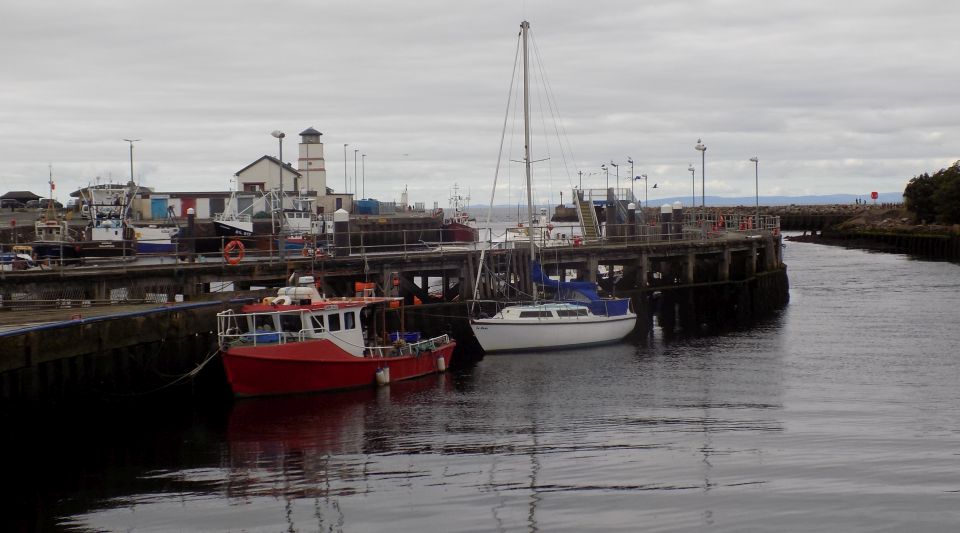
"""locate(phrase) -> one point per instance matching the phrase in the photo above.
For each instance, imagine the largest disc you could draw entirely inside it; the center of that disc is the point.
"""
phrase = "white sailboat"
(579, 316)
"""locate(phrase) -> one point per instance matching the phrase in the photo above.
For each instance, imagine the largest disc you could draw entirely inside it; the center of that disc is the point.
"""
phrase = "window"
(333, 322)
(290, 323)
(536, 314)
(317, 321)
(349, 320)
(572, 312)
(263, 322)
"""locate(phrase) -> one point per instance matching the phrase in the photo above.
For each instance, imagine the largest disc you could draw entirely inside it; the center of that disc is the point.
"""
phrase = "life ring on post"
(228, 252)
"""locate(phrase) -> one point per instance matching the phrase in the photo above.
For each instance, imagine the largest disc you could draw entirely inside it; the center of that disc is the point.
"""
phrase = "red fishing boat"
(459, 227)
(300, 341)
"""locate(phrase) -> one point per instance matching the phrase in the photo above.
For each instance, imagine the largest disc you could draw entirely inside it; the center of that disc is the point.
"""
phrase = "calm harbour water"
(841, 414)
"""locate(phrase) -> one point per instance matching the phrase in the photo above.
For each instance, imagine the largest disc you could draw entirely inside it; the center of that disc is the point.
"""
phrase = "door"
(158, 208)
(187, 203)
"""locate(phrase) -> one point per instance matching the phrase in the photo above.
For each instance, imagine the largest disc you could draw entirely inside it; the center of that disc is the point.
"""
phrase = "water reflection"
(839, 415)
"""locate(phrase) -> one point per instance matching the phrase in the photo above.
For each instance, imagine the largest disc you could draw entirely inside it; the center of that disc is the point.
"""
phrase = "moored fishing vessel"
(300, 341)
(109, 233)
(236, 219)
(458, 227)
(52, 240)
(155, 239)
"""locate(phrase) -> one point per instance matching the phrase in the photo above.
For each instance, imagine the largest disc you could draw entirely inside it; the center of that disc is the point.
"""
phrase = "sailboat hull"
(499, 335)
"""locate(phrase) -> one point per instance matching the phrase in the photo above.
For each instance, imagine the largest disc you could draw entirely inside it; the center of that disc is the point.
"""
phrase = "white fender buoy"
(383, 376)
(441, 364)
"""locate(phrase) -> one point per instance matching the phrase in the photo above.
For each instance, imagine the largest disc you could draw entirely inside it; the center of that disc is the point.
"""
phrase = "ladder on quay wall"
(587, 216)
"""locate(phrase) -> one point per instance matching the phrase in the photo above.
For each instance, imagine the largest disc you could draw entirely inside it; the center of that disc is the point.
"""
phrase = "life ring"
(720, 225)
(303, 251)
(228, 250)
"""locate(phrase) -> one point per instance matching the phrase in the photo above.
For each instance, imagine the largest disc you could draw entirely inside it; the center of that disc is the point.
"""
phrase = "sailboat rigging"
(578, 316)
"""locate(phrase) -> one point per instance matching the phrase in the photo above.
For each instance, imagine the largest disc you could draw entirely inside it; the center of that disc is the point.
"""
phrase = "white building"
(309, 179)
(263, 175)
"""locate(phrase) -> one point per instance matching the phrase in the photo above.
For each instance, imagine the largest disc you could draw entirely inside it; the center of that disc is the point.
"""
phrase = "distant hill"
(826, 199)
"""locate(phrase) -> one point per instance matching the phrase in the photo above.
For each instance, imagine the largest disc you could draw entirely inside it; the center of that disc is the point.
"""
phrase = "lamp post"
(280, 135)
(363, 174)
(131, 141)
(630, 160)
(345, 182)
(616, 166)
(604, 168)
(355, 151)
(756, 181)
(693, 186)
(646, 194)
(702, 148)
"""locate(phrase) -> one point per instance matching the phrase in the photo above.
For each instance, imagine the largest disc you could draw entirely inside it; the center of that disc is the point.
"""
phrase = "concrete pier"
(718, 279)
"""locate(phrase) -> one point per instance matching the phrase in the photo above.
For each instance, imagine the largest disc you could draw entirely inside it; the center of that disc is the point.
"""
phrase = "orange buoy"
(228, 252)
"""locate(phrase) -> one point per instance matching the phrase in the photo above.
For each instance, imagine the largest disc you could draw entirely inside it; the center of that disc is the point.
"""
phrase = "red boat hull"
(319, 365)
(457, 232)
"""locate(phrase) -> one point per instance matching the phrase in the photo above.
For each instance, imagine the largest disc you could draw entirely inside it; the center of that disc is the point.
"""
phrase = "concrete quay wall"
(124, 355)
(684, 287)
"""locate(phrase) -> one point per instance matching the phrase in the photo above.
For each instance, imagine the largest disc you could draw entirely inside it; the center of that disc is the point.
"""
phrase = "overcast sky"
(833, 96)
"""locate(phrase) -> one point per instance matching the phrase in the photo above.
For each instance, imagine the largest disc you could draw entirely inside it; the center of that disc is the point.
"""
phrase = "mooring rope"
(180, 378)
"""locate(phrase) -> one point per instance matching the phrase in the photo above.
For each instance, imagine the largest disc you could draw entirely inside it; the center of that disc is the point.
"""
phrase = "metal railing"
(232, 331)
(480, 309)
(693, 226)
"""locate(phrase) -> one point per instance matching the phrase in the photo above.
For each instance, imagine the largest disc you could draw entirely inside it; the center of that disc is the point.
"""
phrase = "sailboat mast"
(525, 27)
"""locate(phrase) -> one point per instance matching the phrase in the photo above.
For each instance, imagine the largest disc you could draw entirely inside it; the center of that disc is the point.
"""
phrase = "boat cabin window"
(317, 321)
(290, 323)
(263, 322)
(349, 320)
(571, 312)
(536, 314)
(333, 322)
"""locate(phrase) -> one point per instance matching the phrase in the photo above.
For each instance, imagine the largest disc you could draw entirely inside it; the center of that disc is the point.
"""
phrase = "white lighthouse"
(310, 164)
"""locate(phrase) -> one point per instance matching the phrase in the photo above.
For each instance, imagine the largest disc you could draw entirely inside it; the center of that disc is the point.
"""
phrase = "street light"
(363, 174)
(756, 178)
(702, 148)
(604, 168)
(131, 141)
(693, 187)
(616, 166)
(345, 182)
(280, 135)
(630, 160)
(646, 198)
(355, 151)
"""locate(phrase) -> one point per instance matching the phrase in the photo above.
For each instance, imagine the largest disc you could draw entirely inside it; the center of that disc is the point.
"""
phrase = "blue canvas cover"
(581, 292)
